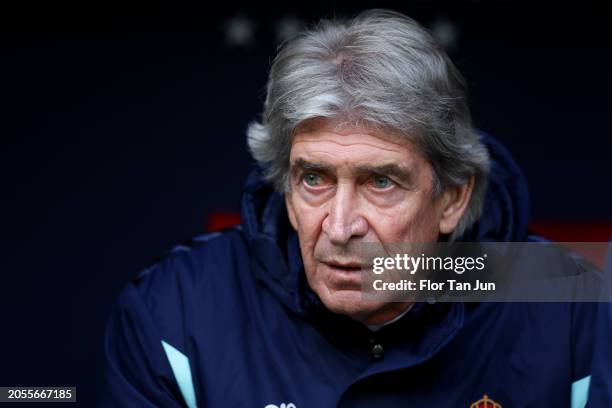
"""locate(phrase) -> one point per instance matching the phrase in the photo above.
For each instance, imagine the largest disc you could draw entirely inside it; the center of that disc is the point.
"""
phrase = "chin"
(350, 303)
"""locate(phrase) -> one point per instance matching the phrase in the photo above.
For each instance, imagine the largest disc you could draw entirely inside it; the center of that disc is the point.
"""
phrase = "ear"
(454, 202)
(290, 210)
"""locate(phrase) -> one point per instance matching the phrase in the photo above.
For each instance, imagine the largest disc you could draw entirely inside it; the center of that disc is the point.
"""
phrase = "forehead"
(324, 141)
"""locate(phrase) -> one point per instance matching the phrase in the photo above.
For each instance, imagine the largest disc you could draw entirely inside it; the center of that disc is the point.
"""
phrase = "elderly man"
(366, 137)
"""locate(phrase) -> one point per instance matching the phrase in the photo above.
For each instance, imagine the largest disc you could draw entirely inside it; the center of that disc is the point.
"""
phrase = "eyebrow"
(301, 165)
(402, 173)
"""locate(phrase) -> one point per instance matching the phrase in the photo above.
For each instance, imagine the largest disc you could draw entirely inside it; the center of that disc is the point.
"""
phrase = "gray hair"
(379, 69)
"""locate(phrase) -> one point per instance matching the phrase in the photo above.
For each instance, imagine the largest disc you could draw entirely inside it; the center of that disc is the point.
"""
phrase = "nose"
(343, 220)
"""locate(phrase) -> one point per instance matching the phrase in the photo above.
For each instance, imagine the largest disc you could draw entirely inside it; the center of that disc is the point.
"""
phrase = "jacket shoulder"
(191, 278)
(192, 261)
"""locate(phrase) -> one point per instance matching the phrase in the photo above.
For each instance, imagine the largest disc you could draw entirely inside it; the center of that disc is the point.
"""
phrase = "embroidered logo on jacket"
(283, 405)
(485, 402)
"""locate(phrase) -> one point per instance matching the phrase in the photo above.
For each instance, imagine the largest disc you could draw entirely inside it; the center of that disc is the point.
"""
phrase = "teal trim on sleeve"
(180, 367)
(580, 392)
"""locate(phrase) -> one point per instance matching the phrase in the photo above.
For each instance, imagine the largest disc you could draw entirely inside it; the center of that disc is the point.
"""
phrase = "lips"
(344, 266)
(343, 275)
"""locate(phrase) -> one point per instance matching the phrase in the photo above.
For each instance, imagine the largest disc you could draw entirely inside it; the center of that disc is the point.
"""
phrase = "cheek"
(309, 220)
(412, 220)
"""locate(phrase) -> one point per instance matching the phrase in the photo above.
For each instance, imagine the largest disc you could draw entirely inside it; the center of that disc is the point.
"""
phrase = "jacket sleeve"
(138, 373)
(592, 349)
(600, 387)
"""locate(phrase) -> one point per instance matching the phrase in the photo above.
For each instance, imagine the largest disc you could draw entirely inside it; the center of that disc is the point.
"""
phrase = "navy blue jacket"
(229, 321)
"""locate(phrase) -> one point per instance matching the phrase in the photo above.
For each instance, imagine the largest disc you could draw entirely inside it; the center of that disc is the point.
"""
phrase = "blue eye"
(312, 179)
(382, 182)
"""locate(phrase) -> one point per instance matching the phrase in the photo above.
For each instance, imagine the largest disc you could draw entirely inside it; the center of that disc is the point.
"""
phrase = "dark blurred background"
(123, 133)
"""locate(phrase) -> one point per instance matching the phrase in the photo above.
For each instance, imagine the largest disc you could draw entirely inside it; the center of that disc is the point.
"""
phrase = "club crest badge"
(485, 402)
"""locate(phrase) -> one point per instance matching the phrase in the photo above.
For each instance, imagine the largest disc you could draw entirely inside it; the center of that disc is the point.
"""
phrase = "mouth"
(343, 275)
(344, 266)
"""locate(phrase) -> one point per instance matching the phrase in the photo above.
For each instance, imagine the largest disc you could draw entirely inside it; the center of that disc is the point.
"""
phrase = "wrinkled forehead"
(342, 143)
(344, 127)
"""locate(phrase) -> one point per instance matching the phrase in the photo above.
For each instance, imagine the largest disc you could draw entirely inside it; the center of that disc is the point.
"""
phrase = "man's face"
(351, 186)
